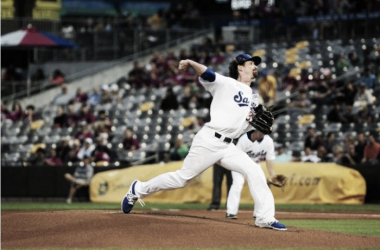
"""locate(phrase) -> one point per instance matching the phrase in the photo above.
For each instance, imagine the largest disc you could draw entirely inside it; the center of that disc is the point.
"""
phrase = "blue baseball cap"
(242, 58)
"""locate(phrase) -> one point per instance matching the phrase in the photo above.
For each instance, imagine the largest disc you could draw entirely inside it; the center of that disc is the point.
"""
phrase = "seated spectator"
(72, 116)
(342, 64)
(302, 101)
(288, 82)
(106, 96)
(350, 158)
(360, 145)
(347, 95)
(330, 142)
(364, 115)
(53, 160)
(313, 141)
(363, 97)
(184, 103)
(179, 151)
(337, 154)
(296, 156)
(371, 150)
(116, 94)
(57, 78)
(348, 116)
(170, 101)
(101, 152)
(334, 114)
(38, 158)
(368, 79)
(63, 98)
(85, 115)
(94, 98)
(136, 75)
(267, 85)
(81, 178)
(72, 155)
(80, 96)
(87, 149)
(63, 149)
(102, 120)
(84, 133)
(322, 154)
(16, 112)
(282, 156)
(38, 76)
(310, 157)
(29, 113)
(354, 59)
(130, 143)
(60, 120)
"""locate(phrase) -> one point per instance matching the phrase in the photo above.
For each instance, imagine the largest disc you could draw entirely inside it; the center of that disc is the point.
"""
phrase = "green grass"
(95, 206)
(361, 227)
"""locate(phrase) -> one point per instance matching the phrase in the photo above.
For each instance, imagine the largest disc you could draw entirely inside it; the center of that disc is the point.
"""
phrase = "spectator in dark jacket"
(170, 101)
(313, 141)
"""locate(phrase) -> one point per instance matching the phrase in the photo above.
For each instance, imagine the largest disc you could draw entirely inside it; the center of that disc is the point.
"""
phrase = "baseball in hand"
(183, 64)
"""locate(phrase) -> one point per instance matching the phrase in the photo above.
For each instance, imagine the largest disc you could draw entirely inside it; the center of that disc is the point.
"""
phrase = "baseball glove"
(262, 120)
(277, 180)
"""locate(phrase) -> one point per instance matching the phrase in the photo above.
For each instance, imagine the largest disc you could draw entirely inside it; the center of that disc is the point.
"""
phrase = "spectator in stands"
(81, 178)
(16, 111)
(364, 115)
(337, 154)
(267, 85)
(371, 150)
(288, 82)
(184, 103)
(80, 96)
(38, 158)
(29, 113)
(368, 79)
(354, 59)
(63, 149)
(72, 155)
(157, 21)
(60, 120)
(101, 152)
(179, 151)
(313, 141)
(347, 95)
(106, 95)
(130, 143)
(57, 78)
(330, 142)
(116, 94)
(322, 154)
(363, 96)
(170, 101)
(348, 116)
(87, 149)
(303, 83)
(85, 115)
(136, 75)
(334, 114)
(350, 158)
(310, 157)
(296, 156)
(360, 145)
(282, 156)
(84, 133)
(95, 96)
(63, 98)
(102, 120)
(342, 65)
(301, 101)
(72, 116)
(38, 76)
(53, 160)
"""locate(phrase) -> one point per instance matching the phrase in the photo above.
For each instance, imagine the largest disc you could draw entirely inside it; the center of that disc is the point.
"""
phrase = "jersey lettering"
(261, 155)
(240, 99)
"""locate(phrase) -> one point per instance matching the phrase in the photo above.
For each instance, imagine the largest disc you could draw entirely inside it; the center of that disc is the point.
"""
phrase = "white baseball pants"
(206, 150)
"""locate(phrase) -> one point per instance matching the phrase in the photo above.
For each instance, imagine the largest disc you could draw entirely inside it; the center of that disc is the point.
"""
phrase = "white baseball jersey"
(230, 105)
(229, 110)
(257, 150)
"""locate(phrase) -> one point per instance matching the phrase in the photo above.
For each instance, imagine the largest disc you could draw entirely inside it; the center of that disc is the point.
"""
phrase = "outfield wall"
(307, 183)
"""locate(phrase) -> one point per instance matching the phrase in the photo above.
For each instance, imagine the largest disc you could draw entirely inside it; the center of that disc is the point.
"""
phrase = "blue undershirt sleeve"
(208, 75)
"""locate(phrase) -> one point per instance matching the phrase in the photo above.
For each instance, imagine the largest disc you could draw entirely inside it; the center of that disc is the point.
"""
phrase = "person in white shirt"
(258, 148)
(232, 108)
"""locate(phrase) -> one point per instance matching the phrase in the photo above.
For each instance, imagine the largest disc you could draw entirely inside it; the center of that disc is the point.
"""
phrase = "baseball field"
(41, 225)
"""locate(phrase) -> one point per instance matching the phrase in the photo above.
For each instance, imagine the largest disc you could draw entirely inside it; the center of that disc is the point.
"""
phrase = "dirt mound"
(159, 229)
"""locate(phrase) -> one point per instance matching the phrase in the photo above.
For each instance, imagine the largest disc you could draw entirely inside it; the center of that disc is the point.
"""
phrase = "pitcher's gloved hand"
(262, 119)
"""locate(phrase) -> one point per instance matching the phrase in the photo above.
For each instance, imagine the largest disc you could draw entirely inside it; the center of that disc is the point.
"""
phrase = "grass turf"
(90, 206)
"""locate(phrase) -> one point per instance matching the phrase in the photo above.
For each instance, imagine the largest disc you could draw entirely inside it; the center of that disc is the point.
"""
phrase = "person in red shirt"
(371, 151)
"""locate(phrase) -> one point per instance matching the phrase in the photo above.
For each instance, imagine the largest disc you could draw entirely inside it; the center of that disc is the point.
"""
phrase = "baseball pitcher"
(234, 111)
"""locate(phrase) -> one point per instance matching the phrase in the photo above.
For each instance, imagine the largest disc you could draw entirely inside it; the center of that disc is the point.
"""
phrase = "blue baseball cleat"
(276, 225)
(130, 199)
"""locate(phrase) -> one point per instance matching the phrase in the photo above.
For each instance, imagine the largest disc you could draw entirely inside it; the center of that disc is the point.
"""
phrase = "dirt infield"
(168, 229)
